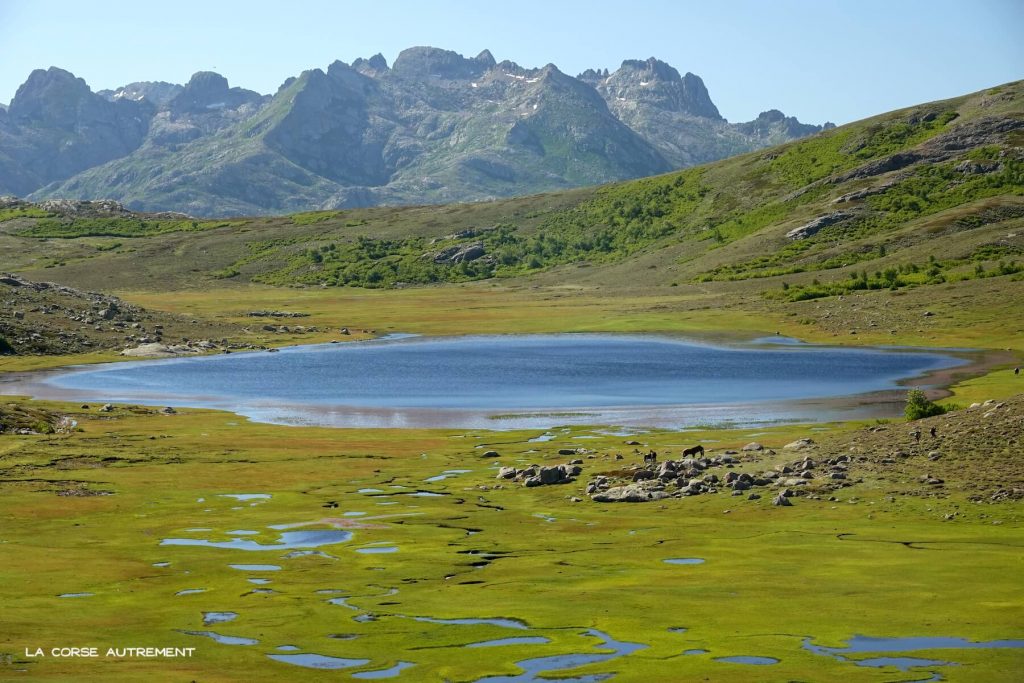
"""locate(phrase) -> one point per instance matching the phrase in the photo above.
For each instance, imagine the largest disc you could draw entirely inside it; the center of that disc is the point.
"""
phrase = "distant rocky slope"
(433, 127)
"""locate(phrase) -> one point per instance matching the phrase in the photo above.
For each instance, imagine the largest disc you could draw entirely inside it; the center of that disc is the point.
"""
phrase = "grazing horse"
(694, 451)
(651, 457)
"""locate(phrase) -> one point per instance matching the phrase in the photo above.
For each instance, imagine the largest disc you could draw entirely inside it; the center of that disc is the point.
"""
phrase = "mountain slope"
(859, 207)
(434, 127)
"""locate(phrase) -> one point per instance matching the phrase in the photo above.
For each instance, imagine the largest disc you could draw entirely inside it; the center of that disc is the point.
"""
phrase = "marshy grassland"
(921, 538)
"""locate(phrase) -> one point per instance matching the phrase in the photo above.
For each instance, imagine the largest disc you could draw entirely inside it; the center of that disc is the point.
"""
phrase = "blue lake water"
(514, 381)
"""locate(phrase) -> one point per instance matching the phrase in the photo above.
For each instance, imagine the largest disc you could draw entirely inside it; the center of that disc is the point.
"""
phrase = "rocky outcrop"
(539, 475)
(815, 226)
(460, 253)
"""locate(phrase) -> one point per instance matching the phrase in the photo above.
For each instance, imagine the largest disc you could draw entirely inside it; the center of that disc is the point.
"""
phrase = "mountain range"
(433, 127)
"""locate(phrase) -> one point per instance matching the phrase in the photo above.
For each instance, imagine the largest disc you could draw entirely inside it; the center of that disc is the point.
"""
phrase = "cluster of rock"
(692, 477)
(292, 329)
(276, 314)
(43, 317)
(77, 208)
(540, 475)
(460, 253)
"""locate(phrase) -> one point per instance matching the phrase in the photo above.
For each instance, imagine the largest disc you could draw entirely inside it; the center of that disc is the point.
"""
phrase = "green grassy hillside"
(946, 176)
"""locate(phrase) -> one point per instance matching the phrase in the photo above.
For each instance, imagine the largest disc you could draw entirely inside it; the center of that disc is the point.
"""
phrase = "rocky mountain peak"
(774, 122)
(654, 83)
(51, 97)
(486, 58)
(593, 77)
(375, 65)
(209, 91)
(427, 62)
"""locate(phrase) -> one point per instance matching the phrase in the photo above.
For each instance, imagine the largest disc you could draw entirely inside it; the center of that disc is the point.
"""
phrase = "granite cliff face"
(434, 127)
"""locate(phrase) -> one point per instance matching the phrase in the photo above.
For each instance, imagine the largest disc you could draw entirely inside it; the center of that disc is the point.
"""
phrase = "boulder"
(782, 501)
(506, 473)
(753, 446)
(490, 454)
(551, 475)
(799, 444)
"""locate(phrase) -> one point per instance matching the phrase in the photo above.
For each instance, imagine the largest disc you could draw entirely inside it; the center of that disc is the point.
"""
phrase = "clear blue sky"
(815, 59)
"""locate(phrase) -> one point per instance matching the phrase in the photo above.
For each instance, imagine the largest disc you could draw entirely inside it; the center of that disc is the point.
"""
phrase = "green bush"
(918, 406)
(5, 347)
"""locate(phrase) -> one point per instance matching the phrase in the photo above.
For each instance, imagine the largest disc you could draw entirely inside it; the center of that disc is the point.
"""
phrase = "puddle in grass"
(542, 438)
(161, 564)
(390, 672)
(243, 532)
(245, 496)
(871, 645)
(684, 560)
(288, 648)
(447, 473)
(534, 669)
(313, 661)
(526, 640)
(745, 659)
(377, 549)
(503, 623)
(222, 639)
(191, 591)
(75, 595)
(342, 603)
(427, 494)
(288, 540)
(369, 491)
(218, 617)
(695, 652)
(259, 582)
(256, 567)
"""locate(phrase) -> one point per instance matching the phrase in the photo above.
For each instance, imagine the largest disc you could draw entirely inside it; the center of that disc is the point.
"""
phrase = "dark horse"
(651, 457)
(694, 451)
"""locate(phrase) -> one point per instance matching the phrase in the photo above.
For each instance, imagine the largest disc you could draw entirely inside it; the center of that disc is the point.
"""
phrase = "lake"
(502, 382)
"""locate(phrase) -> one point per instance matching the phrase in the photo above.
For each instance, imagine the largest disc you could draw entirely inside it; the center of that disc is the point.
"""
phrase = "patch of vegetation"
(116, 227)
(5, 347)
(918, 406)
(908, 275)
(22, 212)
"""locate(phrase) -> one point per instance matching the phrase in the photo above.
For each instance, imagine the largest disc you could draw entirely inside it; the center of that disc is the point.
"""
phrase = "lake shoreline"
(879, 404)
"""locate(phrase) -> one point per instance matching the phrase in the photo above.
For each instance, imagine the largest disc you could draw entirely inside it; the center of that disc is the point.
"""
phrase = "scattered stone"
(633, 493)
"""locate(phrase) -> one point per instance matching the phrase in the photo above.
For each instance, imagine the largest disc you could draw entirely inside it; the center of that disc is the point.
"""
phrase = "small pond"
(527, 381)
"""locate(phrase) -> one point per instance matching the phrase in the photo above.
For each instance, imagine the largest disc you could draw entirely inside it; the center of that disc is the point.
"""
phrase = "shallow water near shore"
(505, 382)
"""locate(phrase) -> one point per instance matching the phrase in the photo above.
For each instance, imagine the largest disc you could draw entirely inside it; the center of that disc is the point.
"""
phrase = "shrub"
(918, 406)
(5, 347)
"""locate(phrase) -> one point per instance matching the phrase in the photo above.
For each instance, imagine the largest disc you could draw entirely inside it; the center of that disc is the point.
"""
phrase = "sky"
(818, 60)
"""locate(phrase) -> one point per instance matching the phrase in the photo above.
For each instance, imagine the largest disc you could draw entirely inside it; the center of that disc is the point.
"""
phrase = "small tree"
(919, 406)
